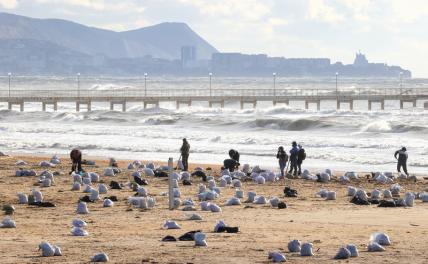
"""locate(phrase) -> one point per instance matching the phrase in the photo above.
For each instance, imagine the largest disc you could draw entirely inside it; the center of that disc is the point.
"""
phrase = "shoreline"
(125, 162)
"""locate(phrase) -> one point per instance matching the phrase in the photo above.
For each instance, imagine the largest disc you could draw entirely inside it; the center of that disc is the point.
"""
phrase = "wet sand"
(134, 236)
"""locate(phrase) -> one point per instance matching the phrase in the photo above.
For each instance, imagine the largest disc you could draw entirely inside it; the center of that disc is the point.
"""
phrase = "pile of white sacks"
(328, 195)
(79, 228)
(142, 202)
(386, 194)
(49, 250)
(377, 241)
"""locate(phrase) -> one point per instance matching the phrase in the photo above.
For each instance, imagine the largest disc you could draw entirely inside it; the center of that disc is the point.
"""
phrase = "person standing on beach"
(234, 154)
(76, 161)
(301, 156)
(282, 159)
(294, 151)
(401, 160)
(185, 150)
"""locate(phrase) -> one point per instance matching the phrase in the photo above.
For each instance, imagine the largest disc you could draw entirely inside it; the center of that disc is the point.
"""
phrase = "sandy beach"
(129, 235)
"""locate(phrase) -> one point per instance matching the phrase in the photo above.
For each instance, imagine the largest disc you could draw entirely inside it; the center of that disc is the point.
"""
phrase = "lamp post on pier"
(337, 91)
(274, 84)
(78, 84)
(210, 75)
(10, 76)
(145, 84)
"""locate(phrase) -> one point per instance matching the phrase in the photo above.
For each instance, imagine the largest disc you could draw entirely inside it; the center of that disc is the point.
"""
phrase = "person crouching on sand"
(282, 159)
(76, 161)
(185, 150)
(230, 164)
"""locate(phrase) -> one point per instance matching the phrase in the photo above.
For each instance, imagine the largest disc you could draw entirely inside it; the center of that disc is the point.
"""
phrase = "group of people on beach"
(296, 158)
(297, 155)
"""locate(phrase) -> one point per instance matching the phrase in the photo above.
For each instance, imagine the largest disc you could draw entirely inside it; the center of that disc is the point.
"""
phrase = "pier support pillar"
(414, 103)
(369, 105)
(147, 103)
(338, 105)
(111, 106)
(77, 107)
(211, 103)
(124, 107)
(43, 106)
(382, 105)
(318, 105)
(306, 105)
(351, 105)
(401, 104)
(55, 104)
(11, 104)
(275, 102)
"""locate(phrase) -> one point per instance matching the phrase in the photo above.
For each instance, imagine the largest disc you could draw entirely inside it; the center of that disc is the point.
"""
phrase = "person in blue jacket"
(294, 151)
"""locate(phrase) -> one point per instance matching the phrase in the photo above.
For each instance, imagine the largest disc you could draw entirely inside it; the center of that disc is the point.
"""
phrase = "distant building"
(360, 60)
(188, 56)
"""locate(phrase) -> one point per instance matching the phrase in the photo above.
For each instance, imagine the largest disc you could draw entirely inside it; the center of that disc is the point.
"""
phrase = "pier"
(83, 99)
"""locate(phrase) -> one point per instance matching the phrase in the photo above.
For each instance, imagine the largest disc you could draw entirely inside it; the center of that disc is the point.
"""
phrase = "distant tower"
(360, 60)
(188, 56)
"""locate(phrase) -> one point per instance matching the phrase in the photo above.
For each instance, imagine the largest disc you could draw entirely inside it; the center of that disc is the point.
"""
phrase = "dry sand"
(134, 236)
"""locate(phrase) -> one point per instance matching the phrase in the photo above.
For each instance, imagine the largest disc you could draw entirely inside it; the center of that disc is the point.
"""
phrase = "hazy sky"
(391, 31)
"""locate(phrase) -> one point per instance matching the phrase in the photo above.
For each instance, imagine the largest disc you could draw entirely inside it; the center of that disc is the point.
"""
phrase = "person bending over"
(76, 161)
(230, 164)
(401, 157)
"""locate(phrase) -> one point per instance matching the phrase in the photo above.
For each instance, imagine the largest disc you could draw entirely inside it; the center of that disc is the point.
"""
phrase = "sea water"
(358, 140)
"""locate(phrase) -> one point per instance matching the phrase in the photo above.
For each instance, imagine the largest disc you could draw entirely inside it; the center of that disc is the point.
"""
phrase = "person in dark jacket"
(401, 157)
(234, 154)
(301, 156)
(76, 161)
(282, 159)
(293, 158)
(185, 150)
(230, 164)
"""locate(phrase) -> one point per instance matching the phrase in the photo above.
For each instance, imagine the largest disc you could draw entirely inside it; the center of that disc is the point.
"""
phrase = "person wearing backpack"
(282, 159)
(301, 156)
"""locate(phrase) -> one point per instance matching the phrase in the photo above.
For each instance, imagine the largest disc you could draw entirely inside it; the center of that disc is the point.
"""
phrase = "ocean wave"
(299, 124)
(384, 126)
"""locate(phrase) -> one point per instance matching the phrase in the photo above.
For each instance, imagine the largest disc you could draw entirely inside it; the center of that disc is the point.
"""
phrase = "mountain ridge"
(168, 37)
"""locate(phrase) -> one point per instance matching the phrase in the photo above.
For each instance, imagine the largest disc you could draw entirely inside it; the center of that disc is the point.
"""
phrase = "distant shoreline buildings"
(30, 46)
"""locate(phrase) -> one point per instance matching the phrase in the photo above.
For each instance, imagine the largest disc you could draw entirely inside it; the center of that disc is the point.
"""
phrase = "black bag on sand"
(282, 205)
(227, 229)
(140, 181)
(159, 173)
(189, 236)
(42, 204)
(358, 201)
(115, 185)
(288, 192)
(169, 239)
(385, 203)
